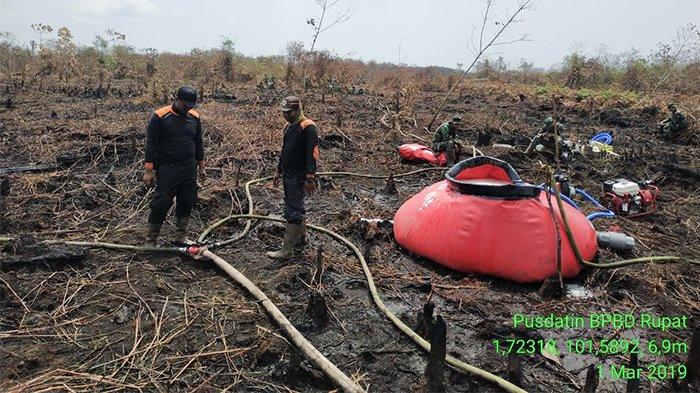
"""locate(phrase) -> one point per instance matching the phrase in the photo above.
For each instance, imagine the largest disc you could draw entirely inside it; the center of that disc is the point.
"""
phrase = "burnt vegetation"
(72, 132)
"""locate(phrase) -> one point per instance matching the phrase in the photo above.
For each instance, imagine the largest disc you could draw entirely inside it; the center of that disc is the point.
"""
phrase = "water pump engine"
(630, 199)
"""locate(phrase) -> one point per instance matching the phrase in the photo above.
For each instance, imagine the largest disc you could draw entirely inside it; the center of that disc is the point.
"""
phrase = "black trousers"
(174, 181)
(293, 199)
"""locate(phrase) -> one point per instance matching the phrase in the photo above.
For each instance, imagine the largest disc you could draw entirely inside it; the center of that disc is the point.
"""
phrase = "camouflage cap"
(290, 103)
(671, 105)
(456, 119)
(549, 120)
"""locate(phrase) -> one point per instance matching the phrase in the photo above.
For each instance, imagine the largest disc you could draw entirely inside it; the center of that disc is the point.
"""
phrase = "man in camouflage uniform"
(268, 82)
(674, 125)
(333, 85)
(544, 141)
(271, 82)
(548, 127)
(445, 140)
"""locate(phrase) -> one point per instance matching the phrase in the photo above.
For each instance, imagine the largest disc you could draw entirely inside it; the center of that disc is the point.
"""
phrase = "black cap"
(187, 94)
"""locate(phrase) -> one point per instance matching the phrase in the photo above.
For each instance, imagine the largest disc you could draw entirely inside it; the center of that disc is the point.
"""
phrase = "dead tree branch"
(318, 26)
(478, 52)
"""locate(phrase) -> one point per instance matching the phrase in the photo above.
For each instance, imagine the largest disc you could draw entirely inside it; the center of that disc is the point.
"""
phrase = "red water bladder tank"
(484, 219)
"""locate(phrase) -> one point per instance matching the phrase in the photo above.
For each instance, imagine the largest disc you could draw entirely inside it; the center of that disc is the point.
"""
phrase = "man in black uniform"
(297, 168)
(174, 156)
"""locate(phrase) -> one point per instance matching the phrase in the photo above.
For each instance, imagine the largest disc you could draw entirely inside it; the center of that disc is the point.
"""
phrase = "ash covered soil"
(88, 320)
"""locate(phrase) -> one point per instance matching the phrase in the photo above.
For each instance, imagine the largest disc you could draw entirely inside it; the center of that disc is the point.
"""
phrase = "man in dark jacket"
(297, 168)
(174, 156)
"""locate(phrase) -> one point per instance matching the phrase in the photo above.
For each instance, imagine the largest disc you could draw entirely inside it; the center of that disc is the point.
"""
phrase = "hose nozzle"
(615, 241)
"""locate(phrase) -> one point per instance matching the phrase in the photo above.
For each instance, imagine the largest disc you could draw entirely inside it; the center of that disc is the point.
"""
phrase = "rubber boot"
(181, 230)
(302, 241)
(291, 234)
(450, 153)
(152, 234)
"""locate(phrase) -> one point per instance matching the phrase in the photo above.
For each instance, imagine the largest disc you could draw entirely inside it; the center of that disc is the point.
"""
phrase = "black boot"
(181, 229)
(152, 234)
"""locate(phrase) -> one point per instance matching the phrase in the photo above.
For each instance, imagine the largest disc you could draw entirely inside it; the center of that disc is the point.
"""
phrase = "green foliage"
(542, 90)
(100, 44)
(618, 95)
(228, 45)
(112, 48)
(583, 94)
(12, 57)
(674, 67)
(607, 95)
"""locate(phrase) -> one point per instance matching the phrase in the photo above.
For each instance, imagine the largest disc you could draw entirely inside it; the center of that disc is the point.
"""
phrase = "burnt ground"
(102, 320)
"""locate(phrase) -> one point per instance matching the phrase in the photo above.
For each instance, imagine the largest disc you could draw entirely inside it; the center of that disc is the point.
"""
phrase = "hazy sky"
(430, 32)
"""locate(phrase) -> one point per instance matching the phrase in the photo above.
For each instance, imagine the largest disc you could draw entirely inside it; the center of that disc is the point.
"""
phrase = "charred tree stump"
(484, 138)
(238, 173)
(633, 384)
(435, 371)
(4, 187)
(420, 324)
(109, 177)
(294, 369)
(424, 320)
(318, 274)
(299, 373)
(391, 186)
(338, 118)
(397, 101)
(693, 362)
(551, 289)
(317, 310)
(592, 380)
(514, 369)
(367, 252)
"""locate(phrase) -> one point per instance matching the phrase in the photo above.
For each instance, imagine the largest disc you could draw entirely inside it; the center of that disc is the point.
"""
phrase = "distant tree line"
(673, 67)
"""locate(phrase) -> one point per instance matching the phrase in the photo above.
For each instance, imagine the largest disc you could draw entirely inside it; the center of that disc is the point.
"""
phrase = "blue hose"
(563, 197)
(599, 214)
(605, 214)
(569, 201)
(590, 198)
(603, 137)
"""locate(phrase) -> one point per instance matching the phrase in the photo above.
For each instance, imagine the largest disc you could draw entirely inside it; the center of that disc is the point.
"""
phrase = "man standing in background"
(297, 168)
